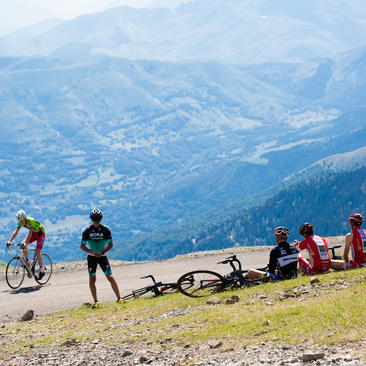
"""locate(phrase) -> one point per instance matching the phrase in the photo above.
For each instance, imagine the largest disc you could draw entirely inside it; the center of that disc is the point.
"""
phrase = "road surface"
(69, 290)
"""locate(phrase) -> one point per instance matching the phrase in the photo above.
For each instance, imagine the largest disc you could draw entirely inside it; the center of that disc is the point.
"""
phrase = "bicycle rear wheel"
(201, 283)
(15, 273)
(47, 264)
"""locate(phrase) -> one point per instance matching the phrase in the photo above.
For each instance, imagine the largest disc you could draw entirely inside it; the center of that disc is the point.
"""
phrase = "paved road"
(69, 290)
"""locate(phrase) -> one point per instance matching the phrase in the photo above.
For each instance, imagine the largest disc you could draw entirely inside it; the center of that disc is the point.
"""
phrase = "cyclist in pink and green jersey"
(36, 233)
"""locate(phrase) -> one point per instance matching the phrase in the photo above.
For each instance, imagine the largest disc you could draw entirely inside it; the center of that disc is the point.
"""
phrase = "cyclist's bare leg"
(93, 288)
(254, 274)
(26, 253)
(337, 264)
(39, 257)
(114, 285)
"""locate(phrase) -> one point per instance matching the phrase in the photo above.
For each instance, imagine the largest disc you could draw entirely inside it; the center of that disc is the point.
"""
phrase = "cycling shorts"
(308, 269)
(352, 264)
(103, 264)
(40, 237)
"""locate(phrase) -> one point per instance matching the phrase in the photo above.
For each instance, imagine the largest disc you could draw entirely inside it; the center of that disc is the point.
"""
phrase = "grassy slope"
(321, 313)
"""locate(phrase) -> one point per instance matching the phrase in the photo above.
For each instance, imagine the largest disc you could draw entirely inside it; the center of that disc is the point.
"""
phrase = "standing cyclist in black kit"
(98, 237)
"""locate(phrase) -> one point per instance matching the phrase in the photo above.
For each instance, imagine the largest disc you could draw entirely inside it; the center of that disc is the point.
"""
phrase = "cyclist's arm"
(86, 249)
(272, 266)
(15, 233)
(108, 248)
(347, 246)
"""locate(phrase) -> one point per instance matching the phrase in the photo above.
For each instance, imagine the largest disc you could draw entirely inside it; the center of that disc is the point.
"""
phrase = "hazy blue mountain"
(227, 30)
(325, 194)
(5, 48)
(19, 13)
(194, 131)
(34, 30)
(154, 144)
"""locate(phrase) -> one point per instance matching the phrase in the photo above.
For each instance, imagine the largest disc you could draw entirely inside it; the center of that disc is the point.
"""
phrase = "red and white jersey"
(358, 245)
(317, 249)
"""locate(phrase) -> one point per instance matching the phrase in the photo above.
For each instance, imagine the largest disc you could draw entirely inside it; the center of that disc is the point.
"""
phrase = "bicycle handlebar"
(12, 245)
(150, 276)
(231, 261)
(332, 249)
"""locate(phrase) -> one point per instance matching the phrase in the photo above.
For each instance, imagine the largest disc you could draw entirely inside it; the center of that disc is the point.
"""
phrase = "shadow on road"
(25, 290)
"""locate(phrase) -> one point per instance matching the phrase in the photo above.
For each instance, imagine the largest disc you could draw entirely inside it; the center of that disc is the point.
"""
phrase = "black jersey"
(97, 238)
(284, 258)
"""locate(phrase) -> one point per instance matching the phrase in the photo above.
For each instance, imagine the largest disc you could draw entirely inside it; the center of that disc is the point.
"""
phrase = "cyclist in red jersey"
(317, 249)
(356, 241)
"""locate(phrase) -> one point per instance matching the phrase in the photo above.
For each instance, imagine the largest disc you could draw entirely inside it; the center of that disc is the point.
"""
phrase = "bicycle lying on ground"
(18, 267)
(202, 283)
(157, 288)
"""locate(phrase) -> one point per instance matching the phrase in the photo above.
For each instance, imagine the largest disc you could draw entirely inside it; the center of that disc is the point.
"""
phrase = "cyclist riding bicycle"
(317, 249)
(99, 239)
(356, 242)
(282, 259)
(36, 233)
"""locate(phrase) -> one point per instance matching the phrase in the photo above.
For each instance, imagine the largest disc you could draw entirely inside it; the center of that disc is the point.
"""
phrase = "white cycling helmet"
(282, 230)
(20, 215)
(96, 215)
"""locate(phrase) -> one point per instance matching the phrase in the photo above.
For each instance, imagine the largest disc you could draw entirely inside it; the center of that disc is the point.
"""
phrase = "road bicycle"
(157, 288)
(202, 283)
(18, 267)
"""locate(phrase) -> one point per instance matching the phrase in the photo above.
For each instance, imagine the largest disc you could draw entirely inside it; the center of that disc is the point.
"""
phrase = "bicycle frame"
(22, 258)
(18, 266)
(157, 288)
(237, 274)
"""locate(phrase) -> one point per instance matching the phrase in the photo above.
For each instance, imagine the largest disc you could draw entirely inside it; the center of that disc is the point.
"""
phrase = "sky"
(17, 14)
(72, 8)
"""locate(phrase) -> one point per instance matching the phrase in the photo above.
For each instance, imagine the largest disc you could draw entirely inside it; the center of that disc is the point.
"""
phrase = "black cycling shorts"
(103, 264)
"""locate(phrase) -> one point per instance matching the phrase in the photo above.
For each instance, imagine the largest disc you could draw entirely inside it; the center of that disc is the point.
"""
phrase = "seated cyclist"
(36, 233)
(282, 259)
(317, 249)
(356, 242)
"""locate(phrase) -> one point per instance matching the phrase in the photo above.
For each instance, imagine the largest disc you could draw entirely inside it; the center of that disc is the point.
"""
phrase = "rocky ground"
(213, 353)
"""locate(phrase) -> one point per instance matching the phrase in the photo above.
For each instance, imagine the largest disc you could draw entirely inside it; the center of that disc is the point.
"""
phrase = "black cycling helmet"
(96, 215)
(356, 218)
(282, 230)
(306, 228)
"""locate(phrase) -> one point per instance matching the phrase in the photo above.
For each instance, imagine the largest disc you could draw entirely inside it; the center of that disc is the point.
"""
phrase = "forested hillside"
(326, 201)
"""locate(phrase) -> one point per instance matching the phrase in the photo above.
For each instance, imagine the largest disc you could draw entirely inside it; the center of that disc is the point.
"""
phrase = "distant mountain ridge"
(229, 30)
(326, 201)
(165, 146)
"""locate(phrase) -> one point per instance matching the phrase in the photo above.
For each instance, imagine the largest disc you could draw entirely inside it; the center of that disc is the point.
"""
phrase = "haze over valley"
(173, 120)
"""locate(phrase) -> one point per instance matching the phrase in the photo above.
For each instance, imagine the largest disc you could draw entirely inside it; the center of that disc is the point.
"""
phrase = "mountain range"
(184, 116)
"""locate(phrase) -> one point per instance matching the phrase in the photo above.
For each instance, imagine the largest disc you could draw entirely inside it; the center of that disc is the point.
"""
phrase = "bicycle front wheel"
(14, 273)
(201, 283)
(47, 264)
